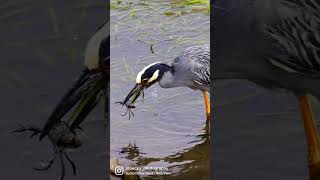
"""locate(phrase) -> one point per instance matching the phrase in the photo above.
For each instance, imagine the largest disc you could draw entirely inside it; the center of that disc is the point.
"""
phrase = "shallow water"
(168, 128)
(259, 133)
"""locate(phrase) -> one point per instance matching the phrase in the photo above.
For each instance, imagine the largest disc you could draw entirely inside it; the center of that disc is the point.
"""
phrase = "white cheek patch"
(138, 79)
(91, 56)
(154, 76)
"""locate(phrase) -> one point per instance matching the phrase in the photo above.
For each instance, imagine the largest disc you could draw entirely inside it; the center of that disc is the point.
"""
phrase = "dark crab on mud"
(61, 138)
(131, 99)
(85, 95)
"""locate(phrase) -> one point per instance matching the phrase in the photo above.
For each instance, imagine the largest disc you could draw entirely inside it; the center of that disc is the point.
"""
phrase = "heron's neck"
(167, 80)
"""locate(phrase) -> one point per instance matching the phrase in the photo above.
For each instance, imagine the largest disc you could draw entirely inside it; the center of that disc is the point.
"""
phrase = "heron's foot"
(314, 171)
(35, 130)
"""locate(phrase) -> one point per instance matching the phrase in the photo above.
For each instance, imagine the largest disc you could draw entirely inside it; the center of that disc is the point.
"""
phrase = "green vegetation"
(176, 7)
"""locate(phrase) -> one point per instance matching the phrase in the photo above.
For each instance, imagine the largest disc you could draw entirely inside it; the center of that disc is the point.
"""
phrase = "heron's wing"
(309, 6)
(298, 39)
(197, 59)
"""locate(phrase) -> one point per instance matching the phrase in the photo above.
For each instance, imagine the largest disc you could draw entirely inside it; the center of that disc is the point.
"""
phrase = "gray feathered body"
(298, 42)
(298, 39)
(191, 68)
(277, 50)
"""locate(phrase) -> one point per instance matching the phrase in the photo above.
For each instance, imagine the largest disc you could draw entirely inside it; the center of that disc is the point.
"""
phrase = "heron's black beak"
(85, 92)
(134, 94)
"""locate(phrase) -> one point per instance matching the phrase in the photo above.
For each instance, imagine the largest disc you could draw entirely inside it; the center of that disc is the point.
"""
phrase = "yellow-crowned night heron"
(275, 44)
(89, 87)
(190, 69)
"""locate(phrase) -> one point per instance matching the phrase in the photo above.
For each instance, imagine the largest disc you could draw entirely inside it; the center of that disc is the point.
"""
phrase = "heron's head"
(146, 78)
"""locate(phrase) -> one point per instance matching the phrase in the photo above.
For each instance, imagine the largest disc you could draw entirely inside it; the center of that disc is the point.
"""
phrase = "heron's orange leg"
(312, 136)
(207, 103)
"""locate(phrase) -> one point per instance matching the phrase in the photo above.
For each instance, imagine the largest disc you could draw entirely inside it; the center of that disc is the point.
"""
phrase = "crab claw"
(33, 129)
